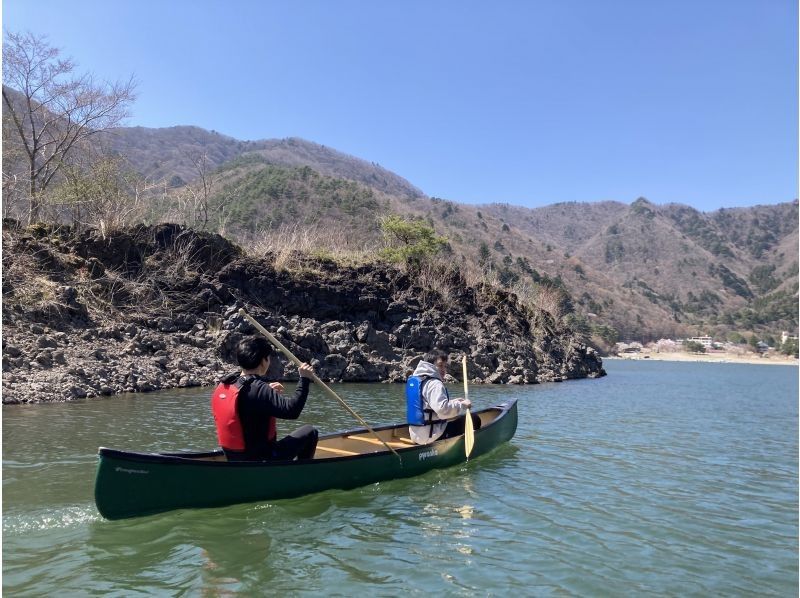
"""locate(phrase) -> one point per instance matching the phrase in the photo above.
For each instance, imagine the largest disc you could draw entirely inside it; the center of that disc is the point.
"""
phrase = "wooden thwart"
(336, 451)
(375, 441)
(406, 441)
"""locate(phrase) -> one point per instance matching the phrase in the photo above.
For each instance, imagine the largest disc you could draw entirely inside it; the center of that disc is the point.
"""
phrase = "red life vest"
(226, 417)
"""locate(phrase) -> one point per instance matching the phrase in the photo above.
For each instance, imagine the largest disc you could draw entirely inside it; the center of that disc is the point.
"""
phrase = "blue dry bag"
(414, 412)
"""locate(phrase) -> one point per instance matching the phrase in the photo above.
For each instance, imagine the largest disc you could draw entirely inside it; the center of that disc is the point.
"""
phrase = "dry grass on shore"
(288, 245)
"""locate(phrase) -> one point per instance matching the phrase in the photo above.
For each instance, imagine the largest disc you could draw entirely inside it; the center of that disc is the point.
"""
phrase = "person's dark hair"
(435, 355)
(251, 350)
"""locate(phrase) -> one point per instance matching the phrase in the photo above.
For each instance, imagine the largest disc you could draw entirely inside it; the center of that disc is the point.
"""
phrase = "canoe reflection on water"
(131, 484)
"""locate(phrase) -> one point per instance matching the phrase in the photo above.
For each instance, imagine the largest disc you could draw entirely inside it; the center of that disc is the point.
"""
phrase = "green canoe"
(134, 484)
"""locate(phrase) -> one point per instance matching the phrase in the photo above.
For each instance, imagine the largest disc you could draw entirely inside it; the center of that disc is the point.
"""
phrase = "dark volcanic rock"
(157, 307)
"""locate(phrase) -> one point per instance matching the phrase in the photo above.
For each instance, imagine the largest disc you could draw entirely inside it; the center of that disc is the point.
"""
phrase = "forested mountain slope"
(174, 151)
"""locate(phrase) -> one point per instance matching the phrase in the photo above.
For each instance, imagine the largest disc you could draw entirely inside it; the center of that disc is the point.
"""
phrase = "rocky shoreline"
(156, 307)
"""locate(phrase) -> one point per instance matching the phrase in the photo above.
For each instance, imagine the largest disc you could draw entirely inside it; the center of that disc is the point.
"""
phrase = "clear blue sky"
(529, 102)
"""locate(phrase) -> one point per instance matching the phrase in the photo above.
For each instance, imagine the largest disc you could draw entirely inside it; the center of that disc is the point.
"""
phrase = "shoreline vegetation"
(746, 359)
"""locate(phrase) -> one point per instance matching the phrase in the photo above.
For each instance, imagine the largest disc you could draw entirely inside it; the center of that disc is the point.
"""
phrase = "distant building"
(785, 336)
(633, 347)
(706, 341)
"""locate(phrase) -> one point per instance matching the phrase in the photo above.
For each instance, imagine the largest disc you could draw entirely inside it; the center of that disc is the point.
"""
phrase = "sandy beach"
(709, 358)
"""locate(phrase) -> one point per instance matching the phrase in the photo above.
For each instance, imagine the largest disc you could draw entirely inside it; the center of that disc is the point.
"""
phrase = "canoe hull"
(134, 484)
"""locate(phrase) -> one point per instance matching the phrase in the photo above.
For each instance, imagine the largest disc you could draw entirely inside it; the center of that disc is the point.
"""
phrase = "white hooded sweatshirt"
(434, 397)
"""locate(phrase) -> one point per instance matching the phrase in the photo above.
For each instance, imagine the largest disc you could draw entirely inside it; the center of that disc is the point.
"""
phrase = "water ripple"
(630, 485)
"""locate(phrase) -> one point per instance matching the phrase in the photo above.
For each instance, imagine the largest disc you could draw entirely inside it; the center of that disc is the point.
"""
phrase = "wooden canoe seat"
(407, 441)
(336, 451)
(376, 441)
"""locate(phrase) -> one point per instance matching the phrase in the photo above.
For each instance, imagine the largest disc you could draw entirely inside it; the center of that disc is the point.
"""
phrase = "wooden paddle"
(469, 432)
(314, 377)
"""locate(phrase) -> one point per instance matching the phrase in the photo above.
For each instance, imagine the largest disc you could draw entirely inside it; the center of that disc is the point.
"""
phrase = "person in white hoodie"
(432, 414)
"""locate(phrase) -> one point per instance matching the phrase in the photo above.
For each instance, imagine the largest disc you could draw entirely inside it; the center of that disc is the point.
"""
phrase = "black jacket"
(257, 402)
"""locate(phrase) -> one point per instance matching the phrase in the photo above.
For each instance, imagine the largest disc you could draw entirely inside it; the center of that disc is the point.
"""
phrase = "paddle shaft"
(464, 372)
(328, 390)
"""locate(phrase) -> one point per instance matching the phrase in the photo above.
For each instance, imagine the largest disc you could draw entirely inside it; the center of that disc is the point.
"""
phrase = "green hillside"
(258, 196)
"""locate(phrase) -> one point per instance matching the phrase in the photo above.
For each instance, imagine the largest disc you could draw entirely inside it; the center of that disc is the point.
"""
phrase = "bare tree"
(14, 179)
(103, 193)
(202, 201)
(551, 299)
(201, 192)
(51, 110)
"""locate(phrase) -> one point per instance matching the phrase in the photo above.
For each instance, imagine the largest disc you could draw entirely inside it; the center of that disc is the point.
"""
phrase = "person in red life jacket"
(246, 406)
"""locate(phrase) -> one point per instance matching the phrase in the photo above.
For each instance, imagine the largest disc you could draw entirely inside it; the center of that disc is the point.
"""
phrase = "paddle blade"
(469, 434)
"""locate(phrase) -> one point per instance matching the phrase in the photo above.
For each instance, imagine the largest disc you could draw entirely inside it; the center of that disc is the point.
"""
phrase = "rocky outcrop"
(157, 307)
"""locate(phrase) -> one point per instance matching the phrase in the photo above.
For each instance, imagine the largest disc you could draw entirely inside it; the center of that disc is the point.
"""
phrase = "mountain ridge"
(189, 141)
(641, 269)
(649, 270)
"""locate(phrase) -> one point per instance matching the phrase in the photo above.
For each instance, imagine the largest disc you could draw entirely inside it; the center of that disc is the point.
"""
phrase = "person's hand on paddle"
(306, 371)
(466, 403)
(277, 387)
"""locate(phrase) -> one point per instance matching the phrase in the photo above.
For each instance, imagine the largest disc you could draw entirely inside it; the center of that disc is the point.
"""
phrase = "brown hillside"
(644, 270)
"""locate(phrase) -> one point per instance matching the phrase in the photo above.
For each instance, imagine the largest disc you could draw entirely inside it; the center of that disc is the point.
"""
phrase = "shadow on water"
(167, 550)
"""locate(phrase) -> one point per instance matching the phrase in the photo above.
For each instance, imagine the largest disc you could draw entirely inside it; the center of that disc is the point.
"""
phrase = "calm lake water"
(661, 478)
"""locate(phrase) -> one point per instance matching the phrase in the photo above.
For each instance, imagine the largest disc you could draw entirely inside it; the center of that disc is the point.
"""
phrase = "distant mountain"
(667, 270)
(168, 153)
(298, 152)
(643, 270)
